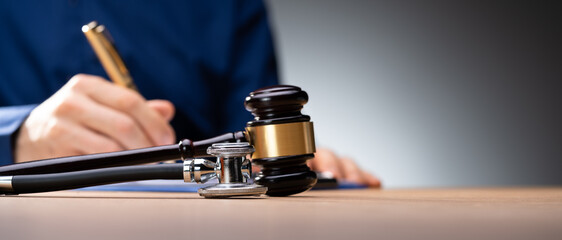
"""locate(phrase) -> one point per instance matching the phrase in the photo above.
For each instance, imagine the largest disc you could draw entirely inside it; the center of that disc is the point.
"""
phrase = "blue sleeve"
(10, 121)
(253, 62)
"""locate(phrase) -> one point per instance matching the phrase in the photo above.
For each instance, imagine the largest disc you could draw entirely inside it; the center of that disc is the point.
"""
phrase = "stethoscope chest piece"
(232, 168)
(225, 190)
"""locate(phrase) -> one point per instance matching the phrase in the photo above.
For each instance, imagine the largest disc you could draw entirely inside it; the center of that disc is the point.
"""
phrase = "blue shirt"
(204, 56)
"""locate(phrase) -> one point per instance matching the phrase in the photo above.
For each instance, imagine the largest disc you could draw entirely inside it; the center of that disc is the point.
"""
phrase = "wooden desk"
(524, 213)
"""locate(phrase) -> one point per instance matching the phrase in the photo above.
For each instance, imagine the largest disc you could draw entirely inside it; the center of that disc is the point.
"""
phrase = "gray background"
(431, 93)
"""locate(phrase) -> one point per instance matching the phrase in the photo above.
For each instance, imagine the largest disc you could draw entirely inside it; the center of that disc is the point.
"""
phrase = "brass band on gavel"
(278, 140)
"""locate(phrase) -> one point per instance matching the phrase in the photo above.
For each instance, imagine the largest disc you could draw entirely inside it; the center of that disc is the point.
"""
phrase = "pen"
(103, 46)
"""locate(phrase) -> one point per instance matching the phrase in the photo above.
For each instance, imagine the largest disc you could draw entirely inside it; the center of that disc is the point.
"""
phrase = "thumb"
(164, 107)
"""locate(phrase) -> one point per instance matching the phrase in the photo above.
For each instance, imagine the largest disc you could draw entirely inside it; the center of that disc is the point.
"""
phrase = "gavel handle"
(185, 149)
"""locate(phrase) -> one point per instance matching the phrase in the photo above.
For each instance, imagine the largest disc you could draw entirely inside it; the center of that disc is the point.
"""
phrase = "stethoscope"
(231, 167)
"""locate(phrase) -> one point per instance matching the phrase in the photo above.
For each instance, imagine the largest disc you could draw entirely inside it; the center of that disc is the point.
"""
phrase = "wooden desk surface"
(518, 213)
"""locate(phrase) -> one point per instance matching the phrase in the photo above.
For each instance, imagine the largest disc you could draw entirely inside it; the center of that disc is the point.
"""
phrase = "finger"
(111, 123)
(86, 141)
(352, 171)
(327, 161)
(153, 124)
(165, 108)
(372, 181)
(312, 163)
(73, 139)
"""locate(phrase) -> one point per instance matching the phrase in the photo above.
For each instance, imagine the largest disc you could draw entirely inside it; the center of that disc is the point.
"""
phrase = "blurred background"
(431, 93)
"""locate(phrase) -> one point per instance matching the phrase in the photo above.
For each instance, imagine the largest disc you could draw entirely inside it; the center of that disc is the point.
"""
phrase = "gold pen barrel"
(114, 66)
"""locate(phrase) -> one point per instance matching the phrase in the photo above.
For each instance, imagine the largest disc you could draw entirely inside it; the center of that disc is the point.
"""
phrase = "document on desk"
(181, 186)
(151, 186)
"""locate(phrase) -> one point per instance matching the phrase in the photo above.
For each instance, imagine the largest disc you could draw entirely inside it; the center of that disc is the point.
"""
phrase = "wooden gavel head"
(283, 139)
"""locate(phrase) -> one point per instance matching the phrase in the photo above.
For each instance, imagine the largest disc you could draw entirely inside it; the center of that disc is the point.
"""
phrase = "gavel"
(280, 140)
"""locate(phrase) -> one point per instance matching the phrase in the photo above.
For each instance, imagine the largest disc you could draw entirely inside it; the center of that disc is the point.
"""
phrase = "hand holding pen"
(91, 115)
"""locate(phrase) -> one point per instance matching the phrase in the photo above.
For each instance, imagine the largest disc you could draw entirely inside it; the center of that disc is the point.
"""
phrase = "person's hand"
(91, 115)
(342, 168)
